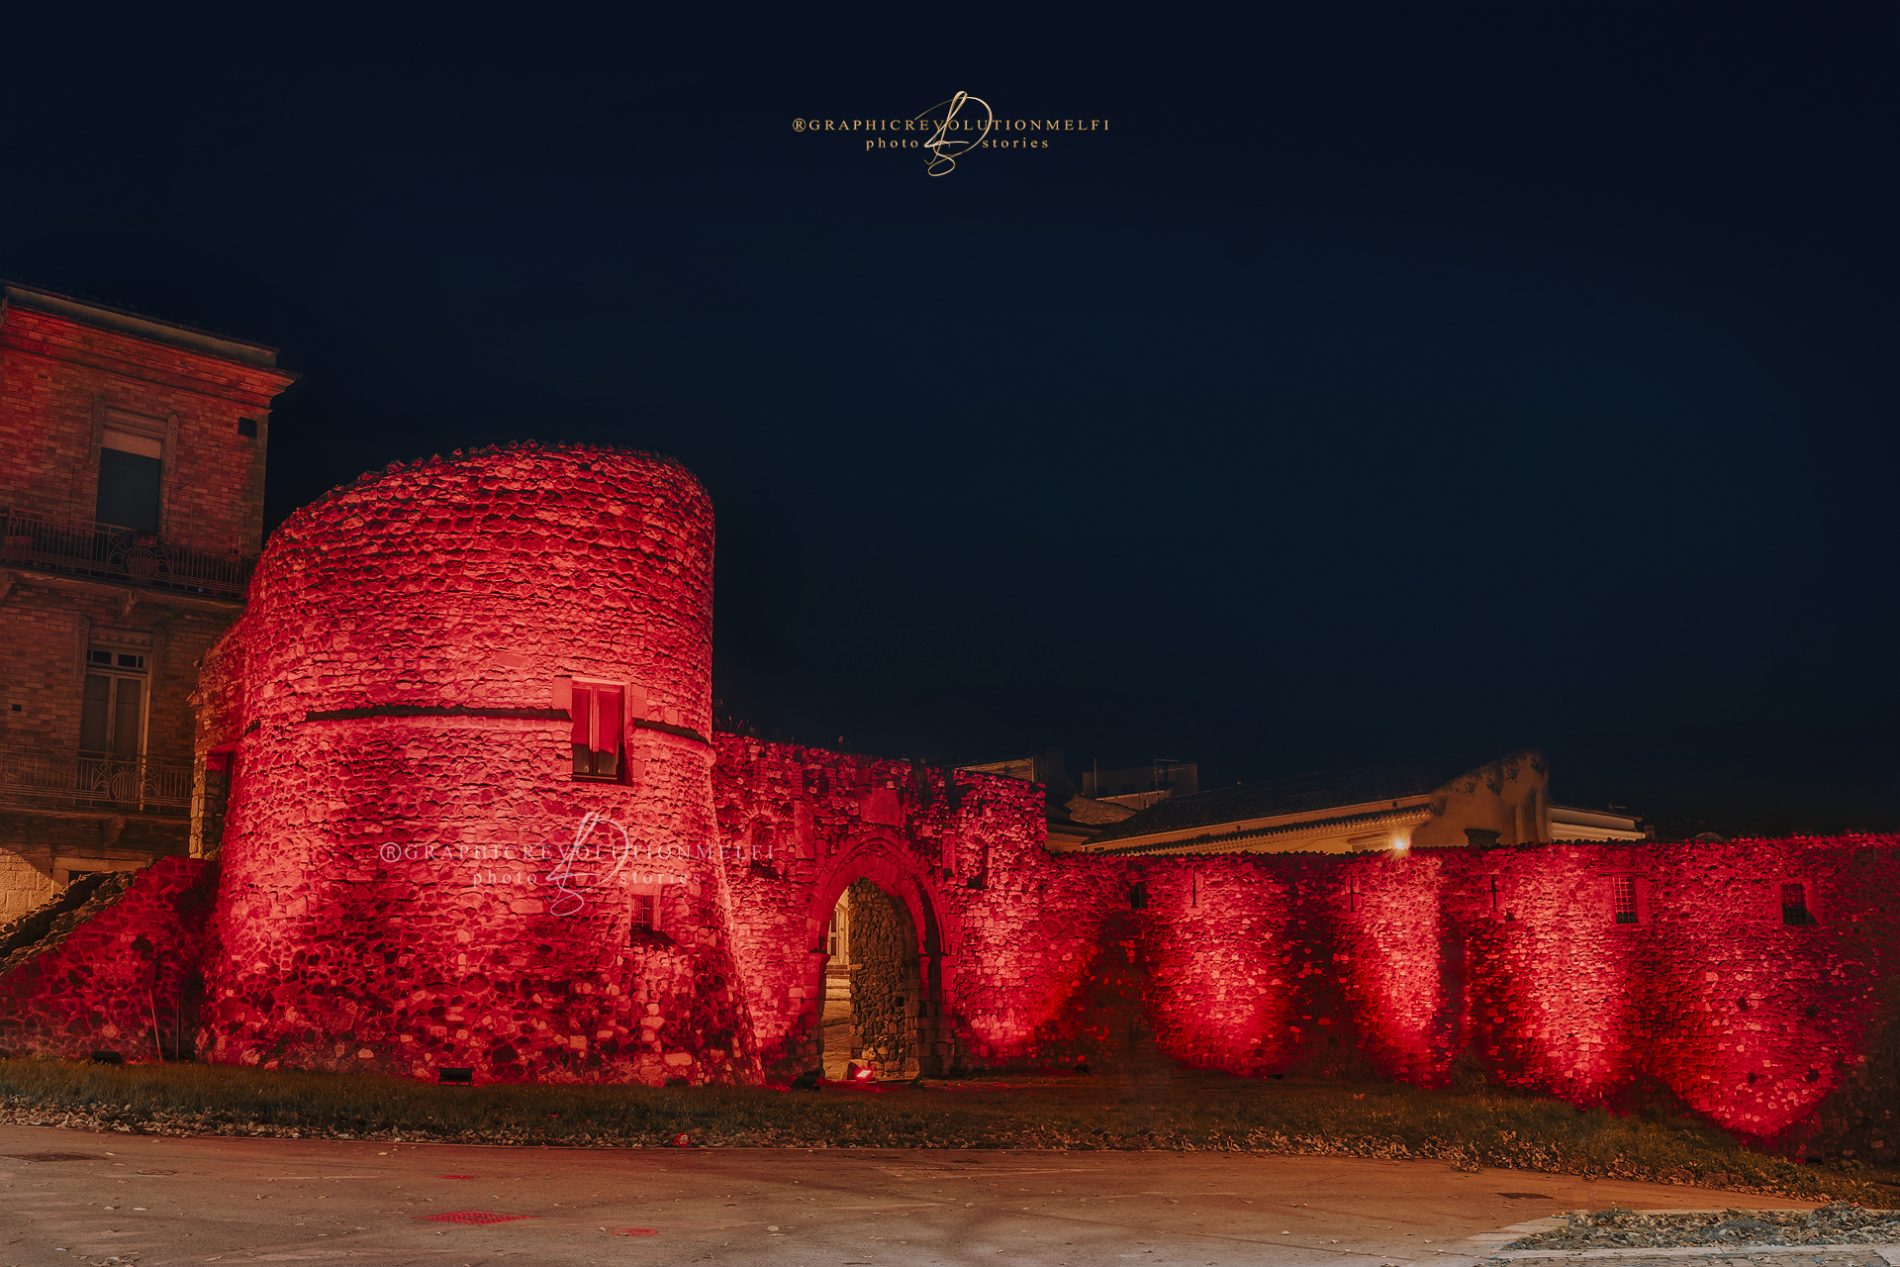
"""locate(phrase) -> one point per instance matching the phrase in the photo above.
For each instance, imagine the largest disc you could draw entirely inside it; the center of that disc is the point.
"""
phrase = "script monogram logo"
(944, 148)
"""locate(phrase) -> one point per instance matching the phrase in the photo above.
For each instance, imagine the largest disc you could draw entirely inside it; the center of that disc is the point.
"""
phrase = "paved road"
(69, 1197)
(1837, 1257)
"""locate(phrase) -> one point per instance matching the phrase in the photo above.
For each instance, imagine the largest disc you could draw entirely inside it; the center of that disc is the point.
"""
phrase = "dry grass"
(1175, 1111)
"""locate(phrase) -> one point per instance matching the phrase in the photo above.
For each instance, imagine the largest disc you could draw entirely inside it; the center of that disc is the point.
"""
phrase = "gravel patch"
(1730, 1258)
(1627, 1229)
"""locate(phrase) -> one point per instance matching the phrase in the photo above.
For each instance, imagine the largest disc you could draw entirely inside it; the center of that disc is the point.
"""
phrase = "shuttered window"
(130, 466)
(599, 714)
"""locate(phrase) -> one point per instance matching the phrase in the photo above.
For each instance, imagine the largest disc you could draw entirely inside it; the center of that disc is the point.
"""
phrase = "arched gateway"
(880, 968)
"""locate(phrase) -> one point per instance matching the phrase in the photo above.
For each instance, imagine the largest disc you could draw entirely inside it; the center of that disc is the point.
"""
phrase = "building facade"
(1505, 801)
(132, 503)
(1577, 822)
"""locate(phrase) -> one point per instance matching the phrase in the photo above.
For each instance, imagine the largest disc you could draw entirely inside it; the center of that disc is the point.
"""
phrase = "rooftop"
(140, 324)
(1298, 794)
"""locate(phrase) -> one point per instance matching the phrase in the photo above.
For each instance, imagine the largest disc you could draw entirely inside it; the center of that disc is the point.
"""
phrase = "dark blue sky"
(1387, 383)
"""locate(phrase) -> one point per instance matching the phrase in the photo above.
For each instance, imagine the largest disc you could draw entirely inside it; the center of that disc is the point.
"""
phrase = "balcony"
(36, 778)
(109, 553)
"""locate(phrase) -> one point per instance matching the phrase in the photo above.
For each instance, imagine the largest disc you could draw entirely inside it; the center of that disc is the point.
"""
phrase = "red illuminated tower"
(447, 671)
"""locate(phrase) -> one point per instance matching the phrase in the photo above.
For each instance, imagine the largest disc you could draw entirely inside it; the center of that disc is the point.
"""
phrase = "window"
(1628, 905)
(599, 723)
(1138, 896)
(646, 913)
(112, 723)
(129, 470)
(112, 714)
(1794, 904)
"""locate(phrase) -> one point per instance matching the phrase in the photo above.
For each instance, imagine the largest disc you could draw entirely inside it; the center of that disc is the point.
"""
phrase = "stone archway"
(873, 989)
(879, 969)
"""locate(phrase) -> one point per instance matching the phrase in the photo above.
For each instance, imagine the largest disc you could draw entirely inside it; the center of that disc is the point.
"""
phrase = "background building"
(1575, 822)
(132, 501)
(1506, 801)
(1138, 787)
(1159, 808)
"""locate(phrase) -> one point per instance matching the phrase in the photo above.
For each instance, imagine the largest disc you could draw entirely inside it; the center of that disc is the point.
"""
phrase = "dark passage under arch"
(873, 1012)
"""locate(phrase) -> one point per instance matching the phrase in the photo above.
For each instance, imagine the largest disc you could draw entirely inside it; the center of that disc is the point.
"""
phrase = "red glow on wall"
(425, 660)
(1515, 957)
(125, 980)
(1391, 930)
(405, 676)
(1226, 973)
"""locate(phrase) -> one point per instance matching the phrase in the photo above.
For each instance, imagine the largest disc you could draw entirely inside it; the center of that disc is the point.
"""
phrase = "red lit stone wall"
(1501, 963)
(404, 791)
(1399, 963)
(1712, 997)
(124, 977)
(1006, 929)
(393, 704)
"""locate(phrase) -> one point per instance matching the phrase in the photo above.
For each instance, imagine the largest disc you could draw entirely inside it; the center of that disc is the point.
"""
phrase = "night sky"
(1400, 383)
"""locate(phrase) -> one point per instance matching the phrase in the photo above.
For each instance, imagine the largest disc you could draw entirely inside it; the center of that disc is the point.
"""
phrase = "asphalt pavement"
(72, 1197)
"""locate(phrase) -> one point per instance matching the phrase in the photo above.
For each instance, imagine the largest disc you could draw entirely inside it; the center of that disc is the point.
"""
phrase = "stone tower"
(465, 728)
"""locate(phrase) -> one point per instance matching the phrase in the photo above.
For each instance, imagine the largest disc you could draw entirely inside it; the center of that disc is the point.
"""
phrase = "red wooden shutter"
(599, 724)
(581, 709)
(609, 722)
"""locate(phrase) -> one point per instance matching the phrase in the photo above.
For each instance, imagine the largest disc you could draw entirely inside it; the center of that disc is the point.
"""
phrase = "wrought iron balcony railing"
(111, 553)
(69, 779)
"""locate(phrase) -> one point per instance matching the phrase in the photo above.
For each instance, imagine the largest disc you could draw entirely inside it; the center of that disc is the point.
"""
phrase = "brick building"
(132, 502)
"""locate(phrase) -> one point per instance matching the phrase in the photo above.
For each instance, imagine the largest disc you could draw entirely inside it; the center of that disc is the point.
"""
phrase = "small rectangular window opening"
(1794, 904)
(131, 467)
(645, 913)
(1626, 899)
